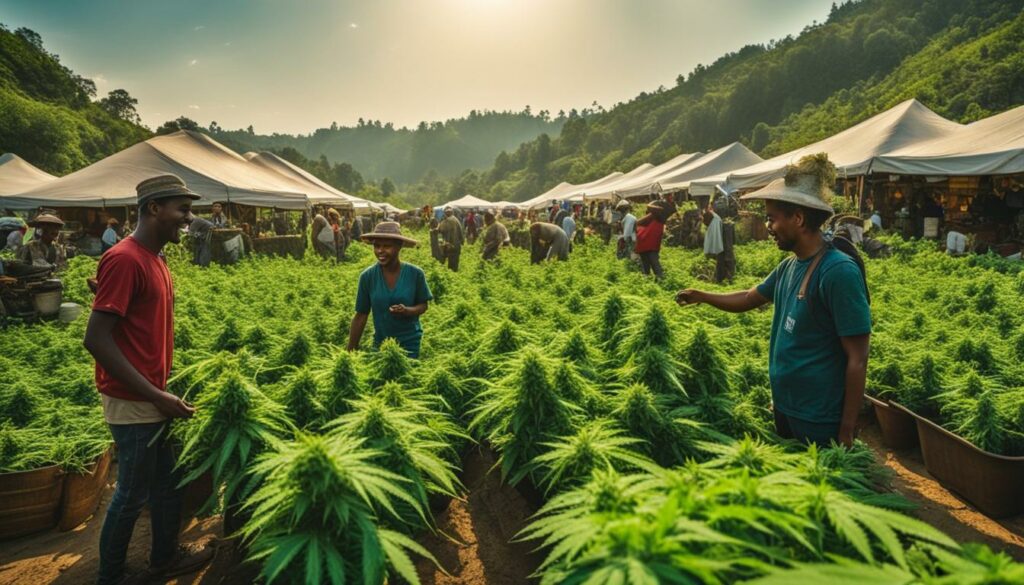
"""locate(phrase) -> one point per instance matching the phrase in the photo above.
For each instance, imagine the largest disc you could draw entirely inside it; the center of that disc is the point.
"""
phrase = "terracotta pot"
(993, 483)
(899, 431)
(30, 500)
(83, 491)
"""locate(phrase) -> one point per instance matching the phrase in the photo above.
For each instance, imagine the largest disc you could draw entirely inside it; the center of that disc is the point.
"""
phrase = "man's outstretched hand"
(687, 297)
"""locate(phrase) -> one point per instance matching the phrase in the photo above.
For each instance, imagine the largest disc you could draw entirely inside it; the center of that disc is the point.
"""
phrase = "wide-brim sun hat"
(46, 219)
(807, 184)
(389, 230)
(162, 187)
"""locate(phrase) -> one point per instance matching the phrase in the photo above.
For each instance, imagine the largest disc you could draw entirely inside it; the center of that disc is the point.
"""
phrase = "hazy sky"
(294, 66)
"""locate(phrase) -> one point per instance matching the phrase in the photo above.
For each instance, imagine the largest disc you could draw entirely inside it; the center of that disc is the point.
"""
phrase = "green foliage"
(47, 115)
(314, 520)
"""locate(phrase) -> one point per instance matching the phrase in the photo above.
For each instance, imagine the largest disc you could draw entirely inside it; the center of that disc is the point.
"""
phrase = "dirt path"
(473, 545)
(942, 508)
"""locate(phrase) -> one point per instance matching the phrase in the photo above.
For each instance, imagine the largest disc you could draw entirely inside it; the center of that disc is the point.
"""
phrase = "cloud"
(227, 44)
(193, 62)
(100, 80)
(199, 28)
(353, 25)
(193, 107)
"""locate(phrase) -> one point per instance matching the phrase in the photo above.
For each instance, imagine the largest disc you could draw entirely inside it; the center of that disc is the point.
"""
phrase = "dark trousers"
(452, 258)
(725, 266)
(145, 474)
(650, 262)
(821, 434)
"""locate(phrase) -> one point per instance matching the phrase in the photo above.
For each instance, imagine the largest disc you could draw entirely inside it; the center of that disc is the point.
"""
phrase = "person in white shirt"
(628, 229)
(217, 216)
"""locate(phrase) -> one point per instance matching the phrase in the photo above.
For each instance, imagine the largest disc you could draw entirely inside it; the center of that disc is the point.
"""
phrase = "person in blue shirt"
(395, 292)
(110, 235)
(821, 327)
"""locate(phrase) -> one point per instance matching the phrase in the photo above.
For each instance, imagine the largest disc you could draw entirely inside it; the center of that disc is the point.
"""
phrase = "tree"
(121, 105)
(387, 188)
(180, 123)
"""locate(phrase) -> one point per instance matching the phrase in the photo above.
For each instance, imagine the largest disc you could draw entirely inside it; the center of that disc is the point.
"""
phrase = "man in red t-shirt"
(649, 231)
(131, 336)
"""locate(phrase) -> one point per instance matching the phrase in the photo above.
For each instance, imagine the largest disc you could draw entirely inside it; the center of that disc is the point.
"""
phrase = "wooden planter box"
(83, 492)
(30, 500)
(899, 430)
(993, 483)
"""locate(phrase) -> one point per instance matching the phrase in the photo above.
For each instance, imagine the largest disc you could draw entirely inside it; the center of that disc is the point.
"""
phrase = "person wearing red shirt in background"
(131, 336)
(649, 231)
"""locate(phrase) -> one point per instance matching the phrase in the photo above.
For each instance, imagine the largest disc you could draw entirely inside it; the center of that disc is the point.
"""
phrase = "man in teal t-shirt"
(821, 327)
(394, 291)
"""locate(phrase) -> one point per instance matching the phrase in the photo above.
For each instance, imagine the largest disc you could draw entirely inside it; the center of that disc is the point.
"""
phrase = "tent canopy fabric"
(853, 150)
(992, 146)
(470, 202)
(319, 192)
(562, 190)
(210, 169)
(641, 183)
(725, 159)
(17, 175)
(604, 191)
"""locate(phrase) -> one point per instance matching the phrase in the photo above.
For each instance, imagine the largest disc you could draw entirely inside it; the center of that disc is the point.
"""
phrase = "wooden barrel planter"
(83, 492)
(899, 430)
(992, 483)
(30, 500)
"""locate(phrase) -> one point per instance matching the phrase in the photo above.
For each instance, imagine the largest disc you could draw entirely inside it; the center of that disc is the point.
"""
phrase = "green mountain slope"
(382, 151)
(47, 113)
(962, 57)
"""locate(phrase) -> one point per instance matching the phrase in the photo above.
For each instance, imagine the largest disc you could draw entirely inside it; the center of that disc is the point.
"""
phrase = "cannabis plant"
(314, 521)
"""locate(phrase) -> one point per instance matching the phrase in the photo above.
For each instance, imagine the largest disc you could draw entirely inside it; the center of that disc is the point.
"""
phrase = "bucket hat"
(46, 219)
(389, 230)
(162, 187)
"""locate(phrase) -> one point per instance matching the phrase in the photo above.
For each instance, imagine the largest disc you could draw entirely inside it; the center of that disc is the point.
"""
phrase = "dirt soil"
(942, 508)
(473, 544)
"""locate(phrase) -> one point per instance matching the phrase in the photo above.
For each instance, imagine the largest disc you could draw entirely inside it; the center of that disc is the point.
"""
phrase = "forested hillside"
(48, 115)
(379, 150)
(964, 58)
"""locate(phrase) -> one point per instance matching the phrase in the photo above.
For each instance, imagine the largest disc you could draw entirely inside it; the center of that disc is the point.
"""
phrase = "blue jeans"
(145, 474)
(807, 432)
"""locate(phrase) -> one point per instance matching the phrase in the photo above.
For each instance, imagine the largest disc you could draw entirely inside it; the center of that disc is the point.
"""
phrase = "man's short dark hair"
(813, 218)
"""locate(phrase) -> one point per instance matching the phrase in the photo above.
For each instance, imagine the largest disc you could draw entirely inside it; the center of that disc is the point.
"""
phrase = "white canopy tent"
(604, 191)
(993, 146)
(390, 209)
(17, 175)
(642, 183)
(210, 169)
(852, 151)
(470, 202)
(562, 190)
(725, 159)
(318, 192)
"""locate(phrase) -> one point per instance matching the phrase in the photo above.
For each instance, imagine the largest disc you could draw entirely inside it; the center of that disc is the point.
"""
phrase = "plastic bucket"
(30, 500)
(993, 483)
(899, 429)
(83, 491)
(69, 312)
